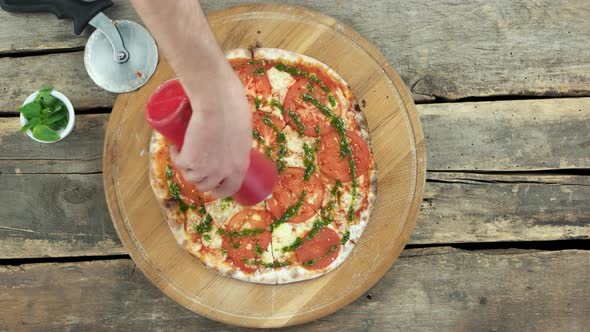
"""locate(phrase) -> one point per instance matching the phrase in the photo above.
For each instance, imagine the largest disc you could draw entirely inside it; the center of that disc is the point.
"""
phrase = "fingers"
(209, 182)
(173, 151)
(193, 176)
(228, 186)
(218, 186)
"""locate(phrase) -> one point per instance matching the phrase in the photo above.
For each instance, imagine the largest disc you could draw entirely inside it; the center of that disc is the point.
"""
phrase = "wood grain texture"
(401, 171)
(491, 208)
(462, 208)
(515, 135)
(80, 152)
(433, 289)
(22, 76)
(447, 49)
(508, 135)
(55, 216)
(43, 32)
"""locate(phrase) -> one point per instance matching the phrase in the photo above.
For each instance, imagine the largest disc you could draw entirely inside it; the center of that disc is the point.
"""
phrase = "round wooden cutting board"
(397, 141)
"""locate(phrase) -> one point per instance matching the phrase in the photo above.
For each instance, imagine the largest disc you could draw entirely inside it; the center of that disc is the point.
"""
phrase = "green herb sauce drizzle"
(345, 150)
(241, 233)
(267, 149)
(345, 238)
(282, 140)
(315, 260)
(290, 212)
(175, 190)
(272, 265)
(297, 72)
(294, 246)
(298, 123)
(308, 161)
(258, 249)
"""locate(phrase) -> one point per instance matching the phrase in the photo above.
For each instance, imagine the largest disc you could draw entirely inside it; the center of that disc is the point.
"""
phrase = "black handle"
(80, 11)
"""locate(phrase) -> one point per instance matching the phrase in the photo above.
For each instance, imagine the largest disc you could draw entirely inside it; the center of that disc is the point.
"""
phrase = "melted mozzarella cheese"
(192, 220)
(215, 239)
(311, 199)
(272, 110)
(346, 199)
(294, 141)
(286, 234)
(221, 211)
(283, 236)
(294, 161)
(295, 150)
(280, 82)
(266, 256)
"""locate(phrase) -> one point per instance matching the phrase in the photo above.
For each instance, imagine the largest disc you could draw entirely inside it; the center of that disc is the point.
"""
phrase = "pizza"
(307, 122)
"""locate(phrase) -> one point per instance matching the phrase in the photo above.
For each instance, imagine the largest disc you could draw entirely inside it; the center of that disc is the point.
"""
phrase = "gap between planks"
(410, 250)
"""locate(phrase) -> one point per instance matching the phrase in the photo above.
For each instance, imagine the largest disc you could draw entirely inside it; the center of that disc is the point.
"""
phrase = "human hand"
(215, 153)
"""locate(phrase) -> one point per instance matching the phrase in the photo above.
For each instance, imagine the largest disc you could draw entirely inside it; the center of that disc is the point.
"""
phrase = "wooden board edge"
(412, 212)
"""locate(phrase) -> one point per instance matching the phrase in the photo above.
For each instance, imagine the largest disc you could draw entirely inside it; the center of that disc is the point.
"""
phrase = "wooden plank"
(80, 152)
(55, 215)
(60, 215)
(484, 136)
(55, 35)
(499, 290)
(447, 49)
(460, 207)
(22, 76)
(512, 135)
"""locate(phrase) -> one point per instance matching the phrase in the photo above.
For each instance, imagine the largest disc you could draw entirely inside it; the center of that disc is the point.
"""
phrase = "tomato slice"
(320, 251)
(309, 114)
(267, 133)
(330, 162)
(254, 79)
(240, 248)
(188, 190)
(287, 192)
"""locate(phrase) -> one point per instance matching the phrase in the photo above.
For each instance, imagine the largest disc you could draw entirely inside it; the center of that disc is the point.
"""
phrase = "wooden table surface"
(503, 238)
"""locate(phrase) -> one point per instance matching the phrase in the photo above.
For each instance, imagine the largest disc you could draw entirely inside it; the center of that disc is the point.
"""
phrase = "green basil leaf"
(56, 116)
(25, 128)
(44, 133)
(31, 124)
(51, 101)
(31, 110)
(61, 124)
(46, 89)
(61, 108)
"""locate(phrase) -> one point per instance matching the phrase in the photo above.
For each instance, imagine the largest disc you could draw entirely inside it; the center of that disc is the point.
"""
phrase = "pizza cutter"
(120, 56)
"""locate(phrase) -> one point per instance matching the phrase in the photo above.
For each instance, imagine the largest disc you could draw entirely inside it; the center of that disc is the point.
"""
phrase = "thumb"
(174, 152)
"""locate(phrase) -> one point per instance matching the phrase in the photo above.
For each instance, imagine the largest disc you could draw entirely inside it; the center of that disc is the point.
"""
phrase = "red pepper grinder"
(168, 111)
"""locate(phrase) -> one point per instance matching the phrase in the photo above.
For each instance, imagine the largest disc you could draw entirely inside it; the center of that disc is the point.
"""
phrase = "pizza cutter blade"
(120, 56)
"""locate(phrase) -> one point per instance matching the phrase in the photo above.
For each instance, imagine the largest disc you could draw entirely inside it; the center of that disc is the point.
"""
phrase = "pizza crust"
(238, 53)
(167, 205)
(275, 54)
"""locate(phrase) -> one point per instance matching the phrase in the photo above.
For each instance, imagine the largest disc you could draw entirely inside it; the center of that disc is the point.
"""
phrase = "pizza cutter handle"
(80, 11)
